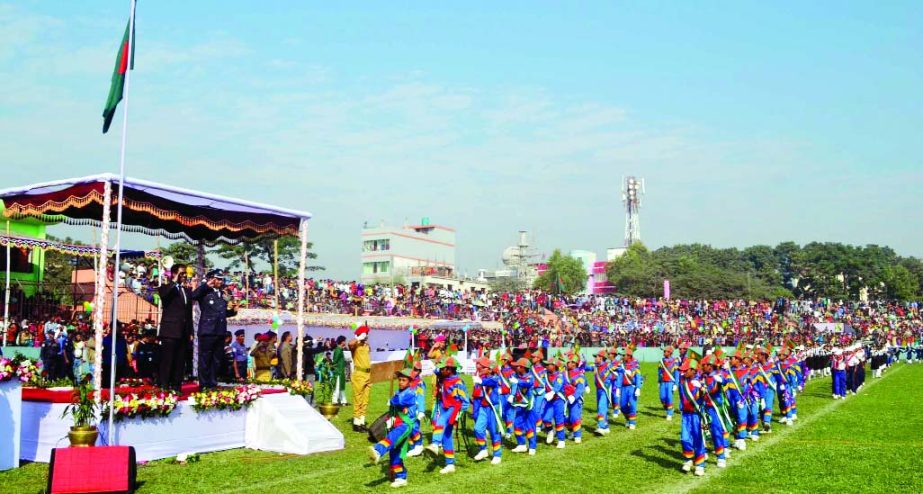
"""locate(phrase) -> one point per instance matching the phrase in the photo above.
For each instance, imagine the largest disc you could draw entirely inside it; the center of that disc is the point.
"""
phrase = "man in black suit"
(213, 324)
(175, 328)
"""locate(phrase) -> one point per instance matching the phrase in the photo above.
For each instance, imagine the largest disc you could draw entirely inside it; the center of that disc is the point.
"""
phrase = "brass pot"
(329, 410)
(83, 436)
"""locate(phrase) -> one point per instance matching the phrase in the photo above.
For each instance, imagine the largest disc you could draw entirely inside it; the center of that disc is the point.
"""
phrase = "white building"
(391, 254)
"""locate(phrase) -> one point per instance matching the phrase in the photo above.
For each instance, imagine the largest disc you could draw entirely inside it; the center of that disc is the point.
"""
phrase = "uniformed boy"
(486, 402)
(419, 389)
(631, 388)
(574, 386)
(602, 379)
(555, 403)
(452, 400)
(521, 397)
(403, 413)
(691, 436)
(711, 401)
(668, 377)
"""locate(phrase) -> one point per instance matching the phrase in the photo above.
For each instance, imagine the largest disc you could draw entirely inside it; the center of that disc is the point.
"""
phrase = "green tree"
(289, 253)
(638, 273)
(565, 274)
(900, 283)
(184, 253)
(506, 284)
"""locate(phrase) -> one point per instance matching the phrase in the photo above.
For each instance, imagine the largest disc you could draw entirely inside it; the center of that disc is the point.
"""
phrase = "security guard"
(213, 323)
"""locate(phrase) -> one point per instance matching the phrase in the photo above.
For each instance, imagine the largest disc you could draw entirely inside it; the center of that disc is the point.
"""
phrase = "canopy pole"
(99, 296)
(303, 256)
(6, 294)
(118, 235)
(275, 272)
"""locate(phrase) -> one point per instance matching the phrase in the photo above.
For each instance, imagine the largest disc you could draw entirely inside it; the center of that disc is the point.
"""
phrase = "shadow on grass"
(665, 462)
(673, 443)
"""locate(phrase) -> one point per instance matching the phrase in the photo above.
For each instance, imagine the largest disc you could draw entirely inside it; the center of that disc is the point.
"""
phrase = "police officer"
(213, 323)
(240, 352)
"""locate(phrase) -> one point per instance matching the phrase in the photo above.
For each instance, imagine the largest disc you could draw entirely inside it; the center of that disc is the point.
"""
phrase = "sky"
(751, 122)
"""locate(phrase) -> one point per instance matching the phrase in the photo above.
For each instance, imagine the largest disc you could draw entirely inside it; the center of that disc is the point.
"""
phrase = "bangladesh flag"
(123, 62)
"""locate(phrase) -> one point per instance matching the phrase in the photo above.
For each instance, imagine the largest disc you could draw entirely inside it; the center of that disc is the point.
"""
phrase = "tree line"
(761, 272)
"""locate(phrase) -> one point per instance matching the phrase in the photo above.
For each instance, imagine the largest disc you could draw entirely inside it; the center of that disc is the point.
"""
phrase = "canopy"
(71, 249)
(154, 209)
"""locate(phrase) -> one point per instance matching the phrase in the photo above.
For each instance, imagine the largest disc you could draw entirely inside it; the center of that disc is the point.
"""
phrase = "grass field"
(872, 442)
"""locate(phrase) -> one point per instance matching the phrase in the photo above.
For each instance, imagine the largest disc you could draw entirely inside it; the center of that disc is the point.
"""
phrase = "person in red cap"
(505, 374)
(521, 400)
(452, 401)
(538, 393)
(712, 400)
(690, 402)
(574, 387)
(361, 378)
(738, 400)
(631, 388)
(486, 407)
(419, 388)
(668, 377)
(555, 404)
(602, 378)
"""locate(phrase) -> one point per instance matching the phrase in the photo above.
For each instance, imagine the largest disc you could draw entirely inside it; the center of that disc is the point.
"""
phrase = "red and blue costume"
(668, 377)
(631, 381)
(403, 414)
(691, 436)
(603, 379)
(419, 388)
(554, 407)
(452, 400)
(521, 400)
(486, 400)
(574, 386)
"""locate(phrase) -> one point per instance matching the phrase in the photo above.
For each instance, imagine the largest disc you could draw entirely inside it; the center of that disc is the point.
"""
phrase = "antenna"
(632, 190)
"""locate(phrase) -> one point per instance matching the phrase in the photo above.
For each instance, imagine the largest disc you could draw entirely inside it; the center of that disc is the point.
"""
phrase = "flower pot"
(329, 410)
(83, 436)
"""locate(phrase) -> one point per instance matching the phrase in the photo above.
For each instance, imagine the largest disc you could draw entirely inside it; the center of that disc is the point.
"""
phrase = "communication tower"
(632, 190)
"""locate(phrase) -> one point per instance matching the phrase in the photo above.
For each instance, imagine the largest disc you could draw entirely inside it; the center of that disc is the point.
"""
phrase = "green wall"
(25, 228)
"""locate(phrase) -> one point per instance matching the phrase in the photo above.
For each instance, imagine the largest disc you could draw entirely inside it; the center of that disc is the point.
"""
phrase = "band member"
(403, 417)
(452, 401)
(486, 409)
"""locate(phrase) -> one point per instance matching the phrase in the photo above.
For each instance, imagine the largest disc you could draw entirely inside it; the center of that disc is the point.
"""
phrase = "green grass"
(867, 443)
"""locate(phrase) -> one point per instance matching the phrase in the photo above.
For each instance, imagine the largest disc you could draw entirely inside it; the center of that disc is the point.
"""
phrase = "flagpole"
(118, 232)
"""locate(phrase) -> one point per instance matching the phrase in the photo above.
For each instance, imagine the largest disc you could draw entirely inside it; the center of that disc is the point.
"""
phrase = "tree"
(900, 283)
(184, 253)
(289, 254)
(564, 275)
(637, 273)
(506, 284)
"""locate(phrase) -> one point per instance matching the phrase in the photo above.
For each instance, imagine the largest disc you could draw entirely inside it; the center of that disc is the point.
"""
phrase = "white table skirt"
(10, 423)
(185, 430)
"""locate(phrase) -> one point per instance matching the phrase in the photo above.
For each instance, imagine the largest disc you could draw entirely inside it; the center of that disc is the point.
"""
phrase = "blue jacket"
(214, 313)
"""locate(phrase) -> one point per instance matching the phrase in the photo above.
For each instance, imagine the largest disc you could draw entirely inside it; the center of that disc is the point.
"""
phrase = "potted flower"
(83, 410)
(323, 389)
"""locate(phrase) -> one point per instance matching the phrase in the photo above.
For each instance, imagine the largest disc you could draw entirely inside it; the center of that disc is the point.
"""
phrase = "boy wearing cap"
(539, 392)
(734, 379)
(667, 377)
(615, 381)
(631, 388)
(752, 391)
(838, 364)
(574, 386)
(712, 400)
(603, 381)
(521, 398)
(452, 400)
(691, 436)
(419, 389)
(486, 401)
(403, 412)
(506, 373)
(554, 404)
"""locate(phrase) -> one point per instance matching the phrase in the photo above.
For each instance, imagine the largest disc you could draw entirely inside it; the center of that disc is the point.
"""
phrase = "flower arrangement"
(224, 399)
(134, 382)
(300, 388)
(21, 367)
(7, 372)
(158, 403)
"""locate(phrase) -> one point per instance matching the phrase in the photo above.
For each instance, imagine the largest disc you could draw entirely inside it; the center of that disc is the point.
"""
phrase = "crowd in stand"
(536, 319)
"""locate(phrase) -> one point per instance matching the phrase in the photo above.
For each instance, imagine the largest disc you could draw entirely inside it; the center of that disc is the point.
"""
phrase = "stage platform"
(184, 430)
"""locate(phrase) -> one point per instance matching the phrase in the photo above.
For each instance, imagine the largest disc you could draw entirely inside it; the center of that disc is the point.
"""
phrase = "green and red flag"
(124, 62)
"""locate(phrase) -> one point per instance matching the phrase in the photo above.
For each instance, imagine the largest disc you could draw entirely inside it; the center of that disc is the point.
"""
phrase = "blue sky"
(751, 122)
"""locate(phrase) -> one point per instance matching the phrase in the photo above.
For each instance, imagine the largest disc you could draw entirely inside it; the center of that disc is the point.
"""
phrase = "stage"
(184, 430)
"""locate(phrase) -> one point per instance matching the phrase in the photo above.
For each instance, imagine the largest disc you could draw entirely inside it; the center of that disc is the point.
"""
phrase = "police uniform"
(213, 323)
(240, 354)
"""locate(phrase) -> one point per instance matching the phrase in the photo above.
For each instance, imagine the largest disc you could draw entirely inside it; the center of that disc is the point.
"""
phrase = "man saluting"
(213, 323)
